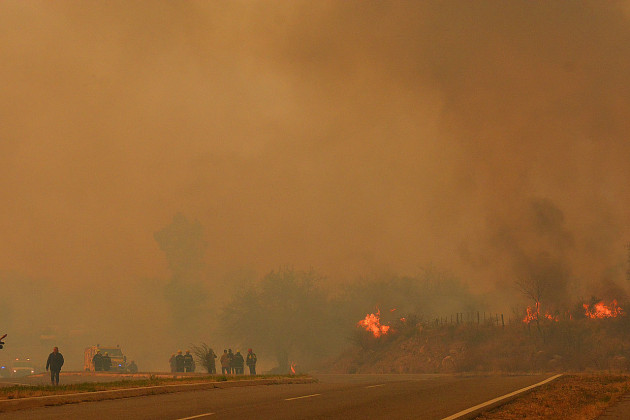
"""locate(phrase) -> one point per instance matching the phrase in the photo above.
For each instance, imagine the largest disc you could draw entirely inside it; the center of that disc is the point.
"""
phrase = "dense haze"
(486, 138)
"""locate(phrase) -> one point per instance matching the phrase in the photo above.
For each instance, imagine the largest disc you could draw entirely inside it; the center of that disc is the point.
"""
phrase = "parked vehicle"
(22, 367)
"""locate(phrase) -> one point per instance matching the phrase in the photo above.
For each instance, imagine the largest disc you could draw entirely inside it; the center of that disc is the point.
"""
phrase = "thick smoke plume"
(489, 138)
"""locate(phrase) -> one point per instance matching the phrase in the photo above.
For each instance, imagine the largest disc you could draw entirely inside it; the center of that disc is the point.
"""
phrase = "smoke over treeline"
(488, 139)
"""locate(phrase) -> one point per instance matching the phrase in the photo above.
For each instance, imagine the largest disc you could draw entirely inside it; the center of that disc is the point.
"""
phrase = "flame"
(403, 319)
(600, 310)
(533, 315)
(293, 368)
(372, 323)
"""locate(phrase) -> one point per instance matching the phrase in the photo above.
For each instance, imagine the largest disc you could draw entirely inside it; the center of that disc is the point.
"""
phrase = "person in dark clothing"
(133, 368)
(231, 360)
(238, 362)
(251, 361)
(171, 363)
(179, 362)
(225, 363)
(55, 362)
(97, 360)
(107, 362)
(212, 365)
(189, 362)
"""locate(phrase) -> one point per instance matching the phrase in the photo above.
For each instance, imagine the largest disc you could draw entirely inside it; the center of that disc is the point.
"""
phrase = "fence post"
(502, 322)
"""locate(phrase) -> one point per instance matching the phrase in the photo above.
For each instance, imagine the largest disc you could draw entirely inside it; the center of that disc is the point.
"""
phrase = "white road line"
(303, 396)
(196, 417)
(471, 409)
(374, 386)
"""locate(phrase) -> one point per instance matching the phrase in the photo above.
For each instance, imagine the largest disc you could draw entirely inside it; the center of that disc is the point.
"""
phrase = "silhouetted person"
(231, 359)
(179, 362)
(212, 366)
(107, 362)
(133, 368)
(225, 363)
(55, 362)
(189, 362)
(238, 363)
(251, 361)
(171, 362)
(97, 360)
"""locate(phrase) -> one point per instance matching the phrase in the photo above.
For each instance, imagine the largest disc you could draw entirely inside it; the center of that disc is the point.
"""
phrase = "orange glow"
(372, 323)
(534, 314)
(293, 368)
(600, 310)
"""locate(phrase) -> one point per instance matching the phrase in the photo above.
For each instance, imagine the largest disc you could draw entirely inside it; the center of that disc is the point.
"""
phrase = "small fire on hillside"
(601, 310)
(372, 323)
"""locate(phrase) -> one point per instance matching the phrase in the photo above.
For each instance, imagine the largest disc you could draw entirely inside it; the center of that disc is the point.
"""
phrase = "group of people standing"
(102, 362)
(182, 362)
(233, 363)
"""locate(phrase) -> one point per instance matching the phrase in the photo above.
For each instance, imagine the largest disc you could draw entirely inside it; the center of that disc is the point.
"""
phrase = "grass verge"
(570, 397)
(21, 391)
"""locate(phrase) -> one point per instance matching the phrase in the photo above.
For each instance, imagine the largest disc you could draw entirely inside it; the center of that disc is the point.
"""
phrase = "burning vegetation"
(471, 342)
(601, 310)
(372, 323)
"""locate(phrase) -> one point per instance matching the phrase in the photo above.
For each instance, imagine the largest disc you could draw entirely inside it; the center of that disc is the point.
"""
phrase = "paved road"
(334, 397)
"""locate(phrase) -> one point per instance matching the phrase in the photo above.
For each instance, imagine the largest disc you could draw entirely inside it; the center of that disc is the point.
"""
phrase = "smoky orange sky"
(347, 136)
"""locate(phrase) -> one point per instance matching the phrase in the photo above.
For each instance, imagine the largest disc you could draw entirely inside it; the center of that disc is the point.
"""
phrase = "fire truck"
(119, 360)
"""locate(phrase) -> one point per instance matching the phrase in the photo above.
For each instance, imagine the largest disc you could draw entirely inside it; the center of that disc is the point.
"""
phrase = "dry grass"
(21, 391)
(570, 397)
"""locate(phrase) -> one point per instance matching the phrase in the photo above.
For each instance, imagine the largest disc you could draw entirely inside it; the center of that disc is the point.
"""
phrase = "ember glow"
(372, 323)
(533, 314)
(601, 310)
(293, 368)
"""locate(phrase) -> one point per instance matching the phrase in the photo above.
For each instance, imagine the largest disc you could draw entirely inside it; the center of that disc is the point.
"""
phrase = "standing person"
(212, 367)
(55, 362)
(171, 362)
(238, 362)
(179, 362)
(251, 361)
(189, 362)
(225, 363)
(97, 360)
(107, 362)
(231, 359)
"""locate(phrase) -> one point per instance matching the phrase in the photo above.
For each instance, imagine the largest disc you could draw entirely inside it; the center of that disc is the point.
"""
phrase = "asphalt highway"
(333, 397)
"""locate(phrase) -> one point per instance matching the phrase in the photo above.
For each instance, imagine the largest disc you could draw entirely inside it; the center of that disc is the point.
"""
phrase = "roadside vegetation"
(412, 346)
(570, 397)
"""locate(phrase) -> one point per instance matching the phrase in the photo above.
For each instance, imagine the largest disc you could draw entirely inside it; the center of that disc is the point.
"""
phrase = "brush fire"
(534, 314)
(372, 323)
(601, 310)
(597, 311)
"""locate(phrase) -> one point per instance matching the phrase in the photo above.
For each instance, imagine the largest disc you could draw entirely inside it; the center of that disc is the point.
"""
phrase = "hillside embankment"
(570, 345)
